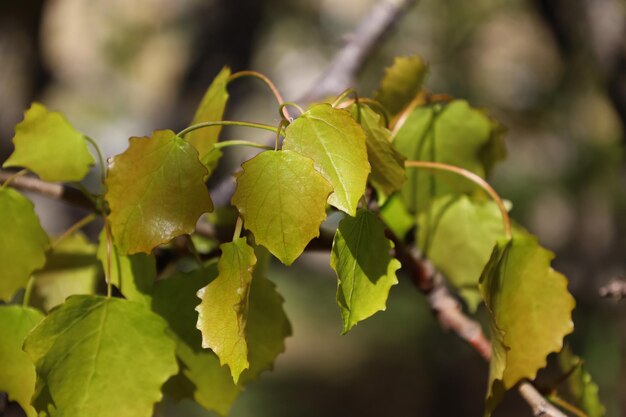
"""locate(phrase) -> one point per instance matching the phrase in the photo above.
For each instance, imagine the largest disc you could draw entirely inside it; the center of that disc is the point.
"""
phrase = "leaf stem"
(438, 166)
(267, 82)
(12, 177)
(78, 225)
(28, 291)
(345, 94)
(227, 143)
(280, 128)
(287, 104)
(107, 272)
(372, 103)
(556, 400)
(238, 227)
(101, 163)
(191, 128)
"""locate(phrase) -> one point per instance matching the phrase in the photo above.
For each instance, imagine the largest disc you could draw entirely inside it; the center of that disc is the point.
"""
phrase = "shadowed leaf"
(401, 83)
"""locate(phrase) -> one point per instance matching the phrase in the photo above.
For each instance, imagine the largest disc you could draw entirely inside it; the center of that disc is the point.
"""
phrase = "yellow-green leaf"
(282, 200)
(336, 144)
(531, 312)
(71, 268)
(223, 312)
(401, 83)
(211, 109)
(100, 357)
(47, 144)
(133, 275)
(581, 386)
(17, 373)
(387, 163)
(396, 216)
(156, 191)
(366, 271)
(23, 242)
(174, 299)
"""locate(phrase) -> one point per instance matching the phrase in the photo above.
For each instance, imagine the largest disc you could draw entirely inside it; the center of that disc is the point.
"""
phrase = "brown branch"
(55, 191)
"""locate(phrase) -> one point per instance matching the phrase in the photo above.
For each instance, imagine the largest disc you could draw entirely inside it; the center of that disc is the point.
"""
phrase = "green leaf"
(396, 216)
(133, 275)
(387, 163)
(71, 268)
(366, 271)
(336, 144)
(282, 200)
(174, 299)
(223, 311)
(469, 230)
(581, 386)
(452, 133)
(401, 83)
(47, 144)
(100, 357)
(23, 242)
(531, 312)
(156, 191)
(267, 325)
(17, 373)
(211, 109)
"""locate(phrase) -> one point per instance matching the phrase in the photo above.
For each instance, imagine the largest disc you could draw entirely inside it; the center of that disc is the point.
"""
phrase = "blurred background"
(552, 71)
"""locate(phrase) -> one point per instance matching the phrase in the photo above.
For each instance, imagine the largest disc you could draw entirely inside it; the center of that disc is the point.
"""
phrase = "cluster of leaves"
(205, 332)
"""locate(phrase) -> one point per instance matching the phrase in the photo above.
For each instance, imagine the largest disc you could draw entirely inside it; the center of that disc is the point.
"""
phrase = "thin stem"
(227, 143)
(556, 400)
(29, 291)
(267, 82)
(78, 225)
(401, 118)
(372, 103)
(281, 109)
(107, 272)
(262, 126)
(12, 177)
(102, 165)
(238, 227)
(438, 166)
(343, 95)
(280, 128)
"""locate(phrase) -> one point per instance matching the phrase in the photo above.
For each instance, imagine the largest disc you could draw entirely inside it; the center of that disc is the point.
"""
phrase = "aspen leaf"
(581, 386)
(156, 191)
(336, 144)
(401, 83)
(48, 145)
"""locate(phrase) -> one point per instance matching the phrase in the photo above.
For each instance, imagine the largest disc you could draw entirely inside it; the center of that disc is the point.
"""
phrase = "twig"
(55, 191)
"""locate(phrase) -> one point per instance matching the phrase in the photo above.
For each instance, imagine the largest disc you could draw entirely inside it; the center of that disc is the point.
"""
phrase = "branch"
(342, 71)
(55, 191)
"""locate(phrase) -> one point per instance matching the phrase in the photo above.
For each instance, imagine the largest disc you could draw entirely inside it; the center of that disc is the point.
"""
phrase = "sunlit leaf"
(174, 299)
(580, 384)
(282, 200)
(71, 268)
(133, 275)
(531, 312)
(452, 133)
(17, 373)
(223, 312)
(469, 230)
(155, 190)
(401, 83)
(23, 242)
(366, 271)
(396, 216)
(336, 144)
(387, 163)
(100, 357)
(47, 144)
(211, 109)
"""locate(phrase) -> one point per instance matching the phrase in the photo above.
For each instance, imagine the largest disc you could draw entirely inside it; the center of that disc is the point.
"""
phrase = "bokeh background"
(552, 71)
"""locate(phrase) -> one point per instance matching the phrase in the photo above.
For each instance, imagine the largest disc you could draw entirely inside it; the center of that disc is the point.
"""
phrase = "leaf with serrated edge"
(211, 109)
(223, 312)
(452, 133)
(581, 386)
(336, 144)
(387, 163)
(71, 268)
(365, 270)
(469, 230)
(17, 373)
(174, 299)
(156, 191)
(100, 357)
(23, 242)
(47, 144)
(282, 200)
(401, 83)
(531, 312)
(133, 275)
